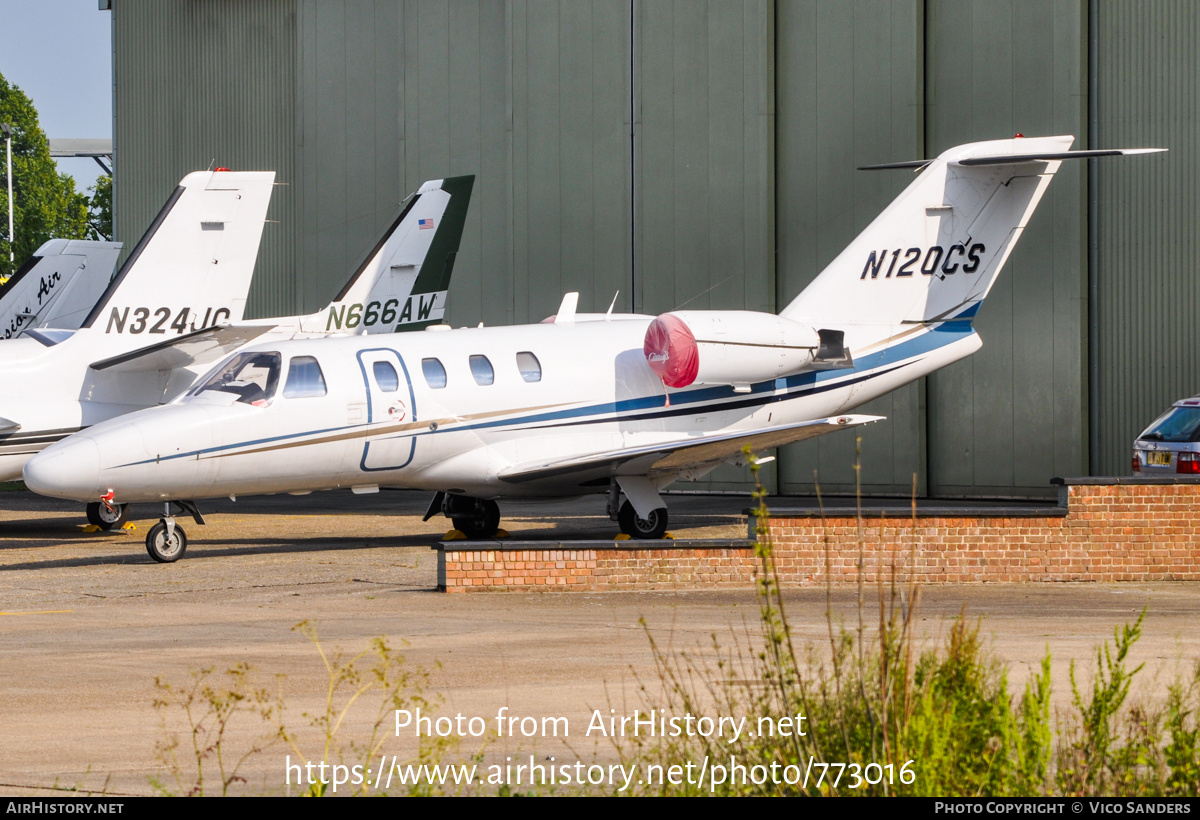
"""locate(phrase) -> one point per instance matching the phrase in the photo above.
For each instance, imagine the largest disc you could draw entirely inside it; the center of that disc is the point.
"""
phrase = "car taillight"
(1187, 463)
(1137, 465)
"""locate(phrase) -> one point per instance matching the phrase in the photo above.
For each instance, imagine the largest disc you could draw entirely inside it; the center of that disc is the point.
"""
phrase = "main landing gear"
(475, 518)
(166, 542)
(654, 525)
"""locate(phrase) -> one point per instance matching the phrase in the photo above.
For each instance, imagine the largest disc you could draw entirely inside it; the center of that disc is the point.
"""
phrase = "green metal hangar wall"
(681, 151)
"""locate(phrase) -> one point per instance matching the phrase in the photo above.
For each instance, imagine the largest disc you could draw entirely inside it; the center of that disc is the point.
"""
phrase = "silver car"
(1171, 445)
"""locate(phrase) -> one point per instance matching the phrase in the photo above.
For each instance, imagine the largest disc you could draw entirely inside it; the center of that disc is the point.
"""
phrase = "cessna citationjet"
(176, 307)
(615, 404)
(57, 286)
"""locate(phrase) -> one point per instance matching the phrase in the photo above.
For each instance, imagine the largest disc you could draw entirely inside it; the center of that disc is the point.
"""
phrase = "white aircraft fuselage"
(595, 394)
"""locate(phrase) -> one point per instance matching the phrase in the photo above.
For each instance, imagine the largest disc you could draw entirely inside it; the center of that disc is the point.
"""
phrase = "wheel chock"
(668, 536)
(502, 534)
(91, 528)
(129, 525)
(455, 535)
(621, 537)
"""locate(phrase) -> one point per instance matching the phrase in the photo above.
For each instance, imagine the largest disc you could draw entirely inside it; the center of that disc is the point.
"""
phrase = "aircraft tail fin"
(934, 253)
(403, 282)
(192, 267)
(57, 286)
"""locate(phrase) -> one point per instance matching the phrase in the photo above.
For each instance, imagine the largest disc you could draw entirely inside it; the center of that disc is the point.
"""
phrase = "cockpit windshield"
(251, 377)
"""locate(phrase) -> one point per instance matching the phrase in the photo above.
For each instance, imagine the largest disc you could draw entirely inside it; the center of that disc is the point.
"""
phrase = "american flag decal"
(424, 224)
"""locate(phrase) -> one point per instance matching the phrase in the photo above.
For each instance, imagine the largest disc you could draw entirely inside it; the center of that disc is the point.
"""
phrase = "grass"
(888, 715)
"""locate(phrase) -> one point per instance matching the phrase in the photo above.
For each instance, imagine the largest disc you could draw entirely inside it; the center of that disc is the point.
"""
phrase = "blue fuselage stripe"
(709, 398)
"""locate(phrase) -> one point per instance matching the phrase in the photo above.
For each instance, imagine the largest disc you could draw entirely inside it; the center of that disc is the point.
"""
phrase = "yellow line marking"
(39, 612)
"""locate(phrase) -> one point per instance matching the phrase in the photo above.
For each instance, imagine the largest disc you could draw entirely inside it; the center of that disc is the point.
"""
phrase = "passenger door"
(391, 411)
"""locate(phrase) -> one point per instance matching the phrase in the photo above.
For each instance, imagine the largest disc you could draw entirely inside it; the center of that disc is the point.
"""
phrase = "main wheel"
(162, 549)
(653, 527)
(483, 521)
(107, 517)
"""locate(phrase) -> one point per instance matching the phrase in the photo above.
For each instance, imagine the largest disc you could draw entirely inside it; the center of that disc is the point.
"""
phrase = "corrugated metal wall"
(1007, 419)
(202, 84)
(678, 150)
(1148, 220)
(850, 92)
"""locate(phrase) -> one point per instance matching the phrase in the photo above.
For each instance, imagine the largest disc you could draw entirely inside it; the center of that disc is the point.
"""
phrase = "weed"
(206, 763)
(210, 706)
(885, 715)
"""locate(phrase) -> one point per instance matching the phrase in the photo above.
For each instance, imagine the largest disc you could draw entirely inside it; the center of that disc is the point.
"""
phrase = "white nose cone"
(68, 469)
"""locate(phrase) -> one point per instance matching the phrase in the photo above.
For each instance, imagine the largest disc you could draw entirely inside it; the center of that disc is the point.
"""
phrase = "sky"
(59, 52)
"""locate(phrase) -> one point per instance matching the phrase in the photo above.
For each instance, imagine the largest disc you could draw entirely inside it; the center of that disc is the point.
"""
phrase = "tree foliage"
(45, 202)
(100, 209)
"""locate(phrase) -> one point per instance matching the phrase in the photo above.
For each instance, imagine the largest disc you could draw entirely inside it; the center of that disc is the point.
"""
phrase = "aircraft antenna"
(706, 290)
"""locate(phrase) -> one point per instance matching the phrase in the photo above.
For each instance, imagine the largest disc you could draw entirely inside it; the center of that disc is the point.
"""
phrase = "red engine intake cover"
(671, 352)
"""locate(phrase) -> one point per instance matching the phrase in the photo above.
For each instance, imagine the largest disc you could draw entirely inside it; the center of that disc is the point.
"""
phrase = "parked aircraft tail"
(403, 282)
(930, 257)
(57, 286)
(934, 253)
(192, 267)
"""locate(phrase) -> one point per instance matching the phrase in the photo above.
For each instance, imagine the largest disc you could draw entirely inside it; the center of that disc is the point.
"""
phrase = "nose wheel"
(166, 542)
(107, 516)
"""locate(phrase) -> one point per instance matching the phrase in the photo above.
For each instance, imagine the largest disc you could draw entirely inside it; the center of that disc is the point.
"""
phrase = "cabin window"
(482, 370)
(252, 377)
(530, 367)
(386, 377)
(305, 379)
(435, 374)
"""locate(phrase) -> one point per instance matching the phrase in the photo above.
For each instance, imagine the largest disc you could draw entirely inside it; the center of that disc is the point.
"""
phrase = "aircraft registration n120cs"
(582, 403)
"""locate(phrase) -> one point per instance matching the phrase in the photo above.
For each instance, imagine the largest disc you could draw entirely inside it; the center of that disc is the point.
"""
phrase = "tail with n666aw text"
(403, 282)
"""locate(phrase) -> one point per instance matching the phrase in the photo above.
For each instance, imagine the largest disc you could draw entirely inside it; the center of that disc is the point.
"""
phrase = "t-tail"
(403, 282)
(934, 253)
(926, 262)
(192, 267)
(57, 287)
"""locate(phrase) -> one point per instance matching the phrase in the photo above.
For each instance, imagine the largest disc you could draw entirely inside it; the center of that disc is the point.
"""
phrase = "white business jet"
(176, 307)
(614, 404)
(57, 286)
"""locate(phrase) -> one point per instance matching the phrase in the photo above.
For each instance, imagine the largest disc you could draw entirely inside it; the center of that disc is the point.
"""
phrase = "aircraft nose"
(69, 469)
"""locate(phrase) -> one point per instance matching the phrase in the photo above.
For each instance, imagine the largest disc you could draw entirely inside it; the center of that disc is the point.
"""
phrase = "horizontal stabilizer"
(1009, 159)
(8, 426)
(674, 457)
(198, 347)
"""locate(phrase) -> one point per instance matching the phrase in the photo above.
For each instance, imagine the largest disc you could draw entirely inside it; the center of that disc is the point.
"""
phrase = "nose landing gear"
(107, 516)
(166, 542)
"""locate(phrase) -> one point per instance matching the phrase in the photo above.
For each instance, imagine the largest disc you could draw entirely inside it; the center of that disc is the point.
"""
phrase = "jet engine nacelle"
(736, 347)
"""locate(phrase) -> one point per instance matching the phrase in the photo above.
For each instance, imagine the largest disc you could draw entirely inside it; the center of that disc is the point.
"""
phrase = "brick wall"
(595, 565)
(1130, 531)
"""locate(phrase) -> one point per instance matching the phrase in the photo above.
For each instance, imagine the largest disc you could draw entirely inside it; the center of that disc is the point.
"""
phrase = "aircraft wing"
(197, 347)
(677, 456)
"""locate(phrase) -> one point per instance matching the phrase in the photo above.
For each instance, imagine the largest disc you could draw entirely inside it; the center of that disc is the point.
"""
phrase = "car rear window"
(1178, 424)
